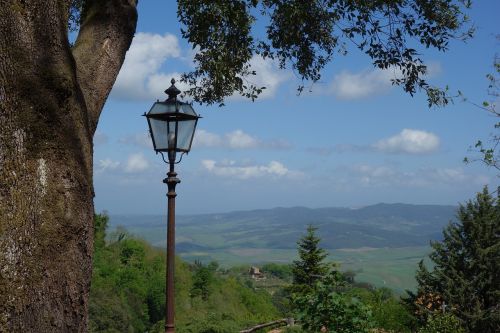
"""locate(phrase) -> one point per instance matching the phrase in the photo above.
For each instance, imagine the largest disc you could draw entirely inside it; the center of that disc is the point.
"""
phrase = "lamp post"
(172, 124)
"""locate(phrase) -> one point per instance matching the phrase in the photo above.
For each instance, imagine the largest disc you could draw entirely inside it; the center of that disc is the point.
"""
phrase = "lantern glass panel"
(187, 109)
(185, 134)
(162, 107)
(171, 135)
(159, 131)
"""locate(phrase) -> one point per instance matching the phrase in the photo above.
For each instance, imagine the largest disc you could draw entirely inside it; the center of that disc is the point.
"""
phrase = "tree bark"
(51, 96)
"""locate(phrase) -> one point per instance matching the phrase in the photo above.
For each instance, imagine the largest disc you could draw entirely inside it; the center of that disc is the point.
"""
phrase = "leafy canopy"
(326, 307)
(442, 323)
(488, 152)
(128, 291)
(306, 36)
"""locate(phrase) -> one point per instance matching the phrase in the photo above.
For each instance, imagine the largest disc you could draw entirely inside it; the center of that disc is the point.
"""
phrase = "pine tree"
(203, 277)
(310, 267)
(465, 279)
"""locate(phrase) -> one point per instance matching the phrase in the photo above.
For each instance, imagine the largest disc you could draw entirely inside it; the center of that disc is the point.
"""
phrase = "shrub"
(442, 323)
(326, 308)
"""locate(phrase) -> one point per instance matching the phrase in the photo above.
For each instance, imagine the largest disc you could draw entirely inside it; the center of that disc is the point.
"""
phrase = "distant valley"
(382, 243)
(381, 225)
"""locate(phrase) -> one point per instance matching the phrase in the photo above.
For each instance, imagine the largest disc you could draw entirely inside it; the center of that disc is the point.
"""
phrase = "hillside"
(128, 291)
(376, 226)
(382, 243)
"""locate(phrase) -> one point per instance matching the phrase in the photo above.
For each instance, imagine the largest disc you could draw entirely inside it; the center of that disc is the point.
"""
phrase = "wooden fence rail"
(280, 322)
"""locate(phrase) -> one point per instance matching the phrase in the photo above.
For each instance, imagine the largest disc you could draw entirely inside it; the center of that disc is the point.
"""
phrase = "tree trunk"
(51, 96)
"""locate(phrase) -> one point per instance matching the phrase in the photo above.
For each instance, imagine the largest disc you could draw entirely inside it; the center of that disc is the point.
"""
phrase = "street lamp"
(171, 124)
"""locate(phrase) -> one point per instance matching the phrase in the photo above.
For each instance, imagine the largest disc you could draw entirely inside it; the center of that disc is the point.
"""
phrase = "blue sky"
(354, 140)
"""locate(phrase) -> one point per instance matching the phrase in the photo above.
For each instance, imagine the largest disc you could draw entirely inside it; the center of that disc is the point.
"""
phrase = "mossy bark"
(51, 96)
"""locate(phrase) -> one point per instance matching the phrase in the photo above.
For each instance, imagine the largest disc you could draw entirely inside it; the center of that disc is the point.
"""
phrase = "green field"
(382, 243)
(390, 267)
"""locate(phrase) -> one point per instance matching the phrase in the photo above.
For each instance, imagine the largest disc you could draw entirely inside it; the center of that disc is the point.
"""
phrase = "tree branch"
(106, 31)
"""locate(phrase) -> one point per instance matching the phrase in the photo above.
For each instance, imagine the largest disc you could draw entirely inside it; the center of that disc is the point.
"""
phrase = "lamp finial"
(172, 91)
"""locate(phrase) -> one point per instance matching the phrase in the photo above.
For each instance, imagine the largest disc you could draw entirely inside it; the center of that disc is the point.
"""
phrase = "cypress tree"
(310, 267)
(465, 279)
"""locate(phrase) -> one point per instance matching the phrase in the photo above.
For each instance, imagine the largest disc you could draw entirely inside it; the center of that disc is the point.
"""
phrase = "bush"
(128, 291)
(325, 307)
(388, 312)
(281, 271)
(442, 323)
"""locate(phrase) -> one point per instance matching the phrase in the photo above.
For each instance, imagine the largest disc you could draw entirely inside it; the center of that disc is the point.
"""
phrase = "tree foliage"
(387, 310)
(318, 292)
(310, 267)
(488, 151)
(202, 280)
(128, 294)
(465, 279)
(326, 308)
(281, 271)
(442, 323)
(128, 291)
(306, 36)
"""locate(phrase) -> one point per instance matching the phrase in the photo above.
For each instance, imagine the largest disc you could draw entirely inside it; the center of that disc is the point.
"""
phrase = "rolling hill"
(382, 243)
(376, 226)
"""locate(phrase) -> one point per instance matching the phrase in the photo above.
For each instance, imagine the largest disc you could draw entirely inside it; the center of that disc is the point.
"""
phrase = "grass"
(389, 267)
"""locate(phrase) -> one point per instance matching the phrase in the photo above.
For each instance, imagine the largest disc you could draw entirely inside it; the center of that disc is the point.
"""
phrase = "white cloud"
(136, 163)
(204, 138)
(107, 164)
(100, 138)
(236, 139)
(350, 86)
(239, 139)
(368, 174)
(159, 82)
(139, 77)
(433, 69)
(139, 139)
(389, 176)
(233, 170)
(268, 75)
(339, 148)
(409, 141)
